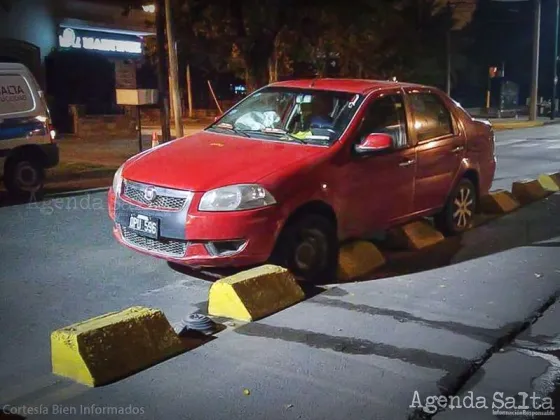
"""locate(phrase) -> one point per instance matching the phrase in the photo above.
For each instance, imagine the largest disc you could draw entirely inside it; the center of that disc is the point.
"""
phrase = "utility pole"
(163, 88)
(448, 51)
(173, 71)
(555, 82)
(448, 63)
(535, 71)
(189, 91)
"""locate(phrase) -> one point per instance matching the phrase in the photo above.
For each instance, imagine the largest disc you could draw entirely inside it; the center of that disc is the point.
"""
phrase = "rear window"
(15, 95)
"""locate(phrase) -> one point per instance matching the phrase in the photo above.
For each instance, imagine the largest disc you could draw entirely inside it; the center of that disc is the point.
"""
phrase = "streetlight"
(173, 71)
(555, 83)
(159, 8)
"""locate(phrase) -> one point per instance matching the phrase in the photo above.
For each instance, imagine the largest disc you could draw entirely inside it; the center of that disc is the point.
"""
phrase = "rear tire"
(308, 247)
(24, 177)
(458, 214)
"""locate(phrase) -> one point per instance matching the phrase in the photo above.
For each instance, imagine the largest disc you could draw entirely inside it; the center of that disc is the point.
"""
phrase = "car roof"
(344, 85)
(12, 66)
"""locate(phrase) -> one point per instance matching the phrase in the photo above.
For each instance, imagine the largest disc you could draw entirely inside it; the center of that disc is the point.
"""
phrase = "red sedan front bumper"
(208, 239)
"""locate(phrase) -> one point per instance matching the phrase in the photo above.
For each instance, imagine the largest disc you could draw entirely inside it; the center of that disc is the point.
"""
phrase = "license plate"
(144, 225)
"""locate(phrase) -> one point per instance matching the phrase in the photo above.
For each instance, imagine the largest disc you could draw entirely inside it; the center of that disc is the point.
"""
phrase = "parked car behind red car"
(299, 166)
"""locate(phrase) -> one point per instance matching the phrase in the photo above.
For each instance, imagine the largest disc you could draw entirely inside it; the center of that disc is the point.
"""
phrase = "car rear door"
(440, 147)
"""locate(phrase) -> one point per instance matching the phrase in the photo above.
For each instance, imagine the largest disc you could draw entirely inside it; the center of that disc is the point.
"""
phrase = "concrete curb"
(113, 346)
(474, 365)
(77, 192)
(253, 294)
(516, 124)
(501, 126)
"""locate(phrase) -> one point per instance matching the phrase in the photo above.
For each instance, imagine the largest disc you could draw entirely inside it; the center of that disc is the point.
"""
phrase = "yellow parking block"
(254, 294)
(550, 182)
(416, 235)
(357, 259)
(112, 346)
(528, 191)
(499, 202)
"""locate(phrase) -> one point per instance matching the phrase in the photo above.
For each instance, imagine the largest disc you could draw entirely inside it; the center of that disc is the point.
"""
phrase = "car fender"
(465, 166)
(297, 186)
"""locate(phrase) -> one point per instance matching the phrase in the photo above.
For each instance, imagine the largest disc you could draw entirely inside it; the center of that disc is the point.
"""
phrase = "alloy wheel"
(463, 207)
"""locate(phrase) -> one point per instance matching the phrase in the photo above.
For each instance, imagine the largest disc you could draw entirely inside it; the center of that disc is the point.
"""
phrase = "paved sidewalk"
(112, 152)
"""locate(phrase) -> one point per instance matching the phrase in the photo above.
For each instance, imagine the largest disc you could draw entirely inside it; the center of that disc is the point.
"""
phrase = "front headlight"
(117, 181)
(236, 197)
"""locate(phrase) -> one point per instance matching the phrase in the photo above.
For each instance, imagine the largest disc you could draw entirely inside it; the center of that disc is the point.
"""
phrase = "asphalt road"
(355, 351)
(526, 153)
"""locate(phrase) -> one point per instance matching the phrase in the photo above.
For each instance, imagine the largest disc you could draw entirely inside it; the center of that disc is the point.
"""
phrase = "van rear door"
(16, 96)
(23, 114)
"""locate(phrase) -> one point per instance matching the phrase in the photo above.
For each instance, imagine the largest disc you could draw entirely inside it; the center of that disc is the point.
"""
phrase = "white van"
(27, 139)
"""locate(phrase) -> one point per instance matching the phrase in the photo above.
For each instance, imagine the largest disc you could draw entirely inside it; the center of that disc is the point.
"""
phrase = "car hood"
(208, 160)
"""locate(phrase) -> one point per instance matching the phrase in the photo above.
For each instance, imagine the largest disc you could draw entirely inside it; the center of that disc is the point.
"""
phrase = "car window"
(431, 117)
(290, 114)
(386, 115)
(15, 95)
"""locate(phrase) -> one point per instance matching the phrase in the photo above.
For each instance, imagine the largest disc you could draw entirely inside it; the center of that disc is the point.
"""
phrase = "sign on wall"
(99, 41)
(125, 74)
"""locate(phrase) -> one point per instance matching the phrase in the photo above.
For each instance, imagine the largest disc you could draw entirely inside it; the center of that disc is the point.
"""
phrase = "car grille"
(163, 200)
(169, 247)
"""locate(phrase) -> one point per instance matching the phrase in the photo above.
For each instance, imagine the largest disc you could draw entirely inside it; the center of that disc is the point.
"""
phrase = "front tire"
(458, 214)
(308, 247)
(24, 177)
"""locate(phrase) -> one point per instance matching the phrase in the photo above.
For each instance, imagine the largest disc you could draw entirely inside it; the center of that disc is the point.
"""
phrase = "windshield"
(297, 115)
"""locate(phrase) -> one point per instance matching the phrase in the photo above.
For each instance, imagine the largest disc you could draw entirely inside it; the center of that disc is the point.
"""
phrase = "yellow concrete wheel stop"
(528, 191)
(499, 202)
(253, 294)
(416, 235)
(357, 259)
(550, 182)
(109, 347)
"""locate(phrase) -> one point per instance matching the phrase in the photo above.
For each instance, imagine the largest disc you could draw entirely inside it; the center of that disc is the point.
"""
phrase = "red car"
(299, 166)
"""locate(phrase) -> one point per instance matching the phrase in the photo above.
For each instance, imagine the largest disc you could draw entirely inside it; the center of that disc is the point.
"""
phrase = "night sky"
(504, 34)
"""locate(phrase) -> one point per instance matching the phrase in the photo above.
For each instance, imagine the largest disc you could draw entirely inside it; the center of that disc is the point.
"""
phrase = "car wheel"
(24, 177)
(308, 247)
(458, 213)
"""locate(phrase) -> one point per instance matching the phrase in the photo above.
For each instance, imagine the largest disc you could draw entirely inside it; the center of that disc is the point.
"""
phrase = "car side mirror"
(375, 142)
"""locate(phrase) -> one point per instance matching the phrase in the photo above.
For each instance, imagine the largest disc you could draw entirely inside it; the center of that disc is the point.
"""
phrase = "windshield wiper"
(232, 129)
(278, 132)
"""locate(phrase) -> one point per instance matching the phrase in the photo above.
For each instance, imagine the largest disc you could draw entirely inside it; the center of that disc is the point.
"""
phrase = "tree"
(242, 31)
(262, 39)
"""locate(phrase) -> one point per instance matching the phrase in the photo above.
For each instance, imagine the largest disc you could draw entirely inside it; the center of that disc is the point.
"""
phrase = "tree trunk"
(257, 63)
(273, 68)
(257, 74)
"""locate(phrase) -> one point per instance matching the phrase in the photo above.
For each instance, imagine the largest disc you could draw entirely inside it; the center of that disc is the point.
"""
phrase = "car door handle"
(407, 162)
(458, 149)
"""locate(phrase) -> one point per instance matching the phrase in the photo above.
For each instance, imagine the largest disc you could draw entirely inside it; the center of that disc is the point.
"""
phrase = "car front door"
(378, 187)
(440, 147)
